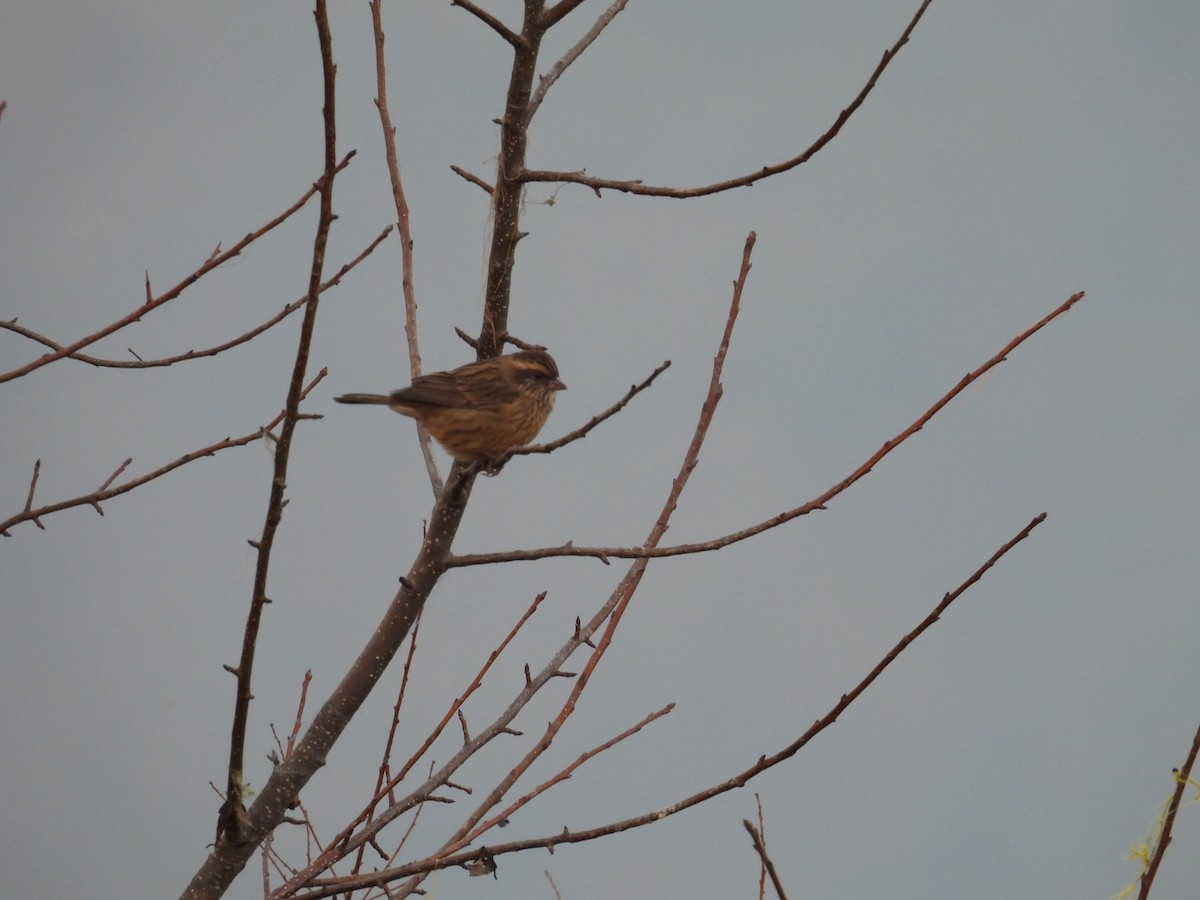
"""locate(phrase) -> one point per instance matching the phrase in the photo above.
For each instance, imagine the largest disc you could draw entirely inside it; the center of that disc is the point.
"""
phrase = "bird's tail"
(364, 398)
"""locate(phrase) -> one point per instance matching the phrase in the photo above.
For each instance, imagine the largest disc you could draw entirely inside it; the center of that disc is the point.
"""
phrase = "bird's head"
(534, 371)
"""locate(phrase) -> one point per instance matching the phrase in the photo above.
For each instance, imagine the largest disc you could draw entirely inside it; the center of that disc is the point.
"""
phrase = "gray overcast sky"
(1013, 154)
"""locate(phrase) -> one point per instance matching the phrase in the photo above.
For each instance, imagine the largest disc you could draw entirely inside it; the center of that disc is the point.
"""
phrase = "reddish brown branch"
(561, 776)
(405, 228)
(558, 11)
(583, 430)
(760, 847)
(638, 187)
(763, 763)
(606, 553)
(108, 492)
(234, 827)
(140, 363)
(508, 192)
(216, 259)
(610, 612)
(474, 179)
(489, 20)
(37, 470)
(546, 81)
(1182, 777)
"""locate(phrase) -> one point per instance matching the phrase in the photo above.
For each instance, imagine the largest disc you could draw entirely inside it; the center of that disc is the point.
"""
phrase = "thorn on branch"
(113, 477)
(37, 469)
(473, 179)
(467, 339)
(236, 673)
(528, 676)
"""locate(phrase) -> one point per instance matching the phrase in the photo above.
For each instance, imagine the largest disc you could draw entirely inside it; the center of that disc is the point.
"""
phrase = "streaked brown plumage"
(480, 410)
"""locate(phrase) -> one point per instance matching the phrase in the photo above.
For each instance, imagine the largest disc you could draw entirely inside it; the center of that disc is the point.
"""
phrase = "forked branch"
(606, 553)
(216, 259)
(637, 186)
(764, 762)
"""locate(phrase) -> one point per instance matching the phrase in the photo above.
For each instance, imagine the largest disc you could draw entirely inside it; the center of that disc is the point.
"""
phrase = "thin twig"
(556, 70)
(232, 829)
(558, 11)
(609, 612)
(140, 363)
(562, 775)
(474, 179)
(37, 470)
(636, 186)
(491, 21)
(583, 430)
(606, 553)
(347, 841)
(760, 847)
(214, 261)
(1182, 778)
(406, 239)
(739, 780)
(32, 515)
(291, 742)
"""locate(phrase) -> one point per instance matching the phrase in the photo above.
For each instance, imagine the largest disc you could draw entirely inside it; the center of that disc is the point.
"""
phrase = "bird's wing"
(438, 389)
(472, 385)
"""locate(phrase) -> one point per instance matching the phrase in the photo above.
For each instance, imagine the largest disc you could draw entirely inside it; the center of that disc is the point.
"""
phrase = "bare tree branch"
(107, 492)
(605, 553)
(760, 847)
(1183, 777)
(474, 179)
(140, 363)
(566, 836)
(639, 187)
(610, 612)
(234, 826)
(216, 259)
(490, 21)
(406, 240)
(558, 11)
(556, 70)
(584, 429)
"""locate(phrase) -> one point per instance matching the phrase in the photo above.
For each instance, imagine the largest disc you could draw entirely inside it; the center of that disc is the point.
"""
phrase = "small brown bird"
(480, 410)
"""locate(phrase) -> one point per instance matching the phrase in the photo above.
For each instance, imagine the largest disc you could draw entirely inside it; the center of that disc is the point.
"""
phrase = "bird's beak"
(557, 385)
